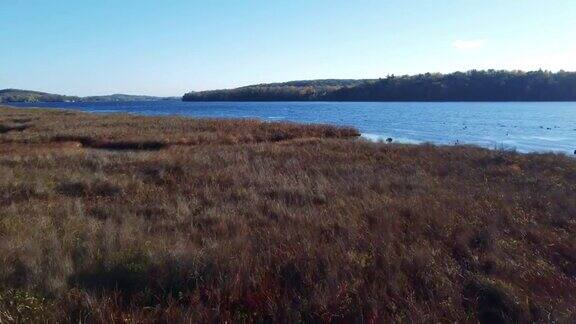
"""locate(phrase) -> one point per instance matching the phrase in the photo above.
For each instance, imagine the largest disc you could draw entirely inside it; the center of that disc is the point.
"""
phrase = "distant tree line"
(16, 95)
(288, 91)
(490, 85)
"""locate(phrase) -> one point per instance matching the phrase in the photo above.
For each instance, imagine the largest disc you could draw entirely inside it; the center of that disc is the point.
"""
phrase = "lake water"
(524, 126)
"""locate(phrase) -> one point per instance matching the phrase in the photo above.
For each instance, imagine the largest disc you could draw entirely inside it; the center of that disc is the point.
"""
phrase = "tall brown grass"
(120, 218)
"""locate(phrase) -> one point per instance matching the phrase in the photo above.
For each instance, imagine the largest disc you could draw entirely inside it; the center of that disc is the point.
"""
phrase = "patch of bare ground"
(289, 224)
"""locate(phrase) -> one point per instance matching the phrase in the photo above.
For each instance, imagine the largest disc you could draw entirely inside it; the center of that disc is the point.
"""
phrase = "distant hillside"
(288, 91)
(473, 85)
(124, 97)
(16, 95)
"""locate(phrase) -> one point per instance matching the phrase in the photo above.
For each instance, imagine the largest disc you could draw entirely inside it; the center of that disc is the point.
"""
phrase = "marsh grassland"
(118, 218)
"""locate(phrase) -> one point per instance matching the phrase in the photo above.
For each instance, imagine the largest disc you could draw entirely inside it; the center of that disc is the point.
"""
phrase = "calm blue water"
(526, 127)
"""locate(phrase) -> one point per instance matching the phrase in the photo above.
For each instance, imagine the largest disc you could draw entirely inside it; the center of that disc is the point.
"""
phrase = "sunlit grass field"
(120, 218)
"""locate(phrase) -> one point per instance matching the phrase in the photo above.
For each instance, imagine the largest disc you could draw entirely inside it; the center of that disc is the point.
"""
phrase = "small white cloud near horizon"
(470, 44)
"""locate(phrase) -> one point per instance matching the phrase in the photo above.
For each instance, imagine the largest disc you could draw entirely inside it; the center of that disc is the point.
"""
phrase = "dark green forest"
(489, 85)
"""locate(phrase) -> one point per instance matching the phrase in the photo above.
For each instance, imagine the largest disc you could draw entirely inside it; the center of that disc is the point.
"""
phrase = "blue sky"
(168, 47)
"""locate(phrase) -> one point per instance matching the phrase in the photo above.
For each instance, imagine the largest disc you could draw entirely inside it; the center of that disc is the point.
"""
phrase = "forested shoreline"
(489, 85)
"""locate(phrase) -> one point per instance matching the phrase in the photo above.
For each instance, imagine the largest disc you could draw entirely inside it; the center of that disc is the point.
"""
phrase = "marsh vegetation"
(139, 219)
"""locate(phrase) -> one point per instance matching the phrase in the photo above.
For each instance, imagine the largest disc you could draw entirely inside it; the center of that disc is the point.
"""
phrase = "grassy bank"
(123, 218)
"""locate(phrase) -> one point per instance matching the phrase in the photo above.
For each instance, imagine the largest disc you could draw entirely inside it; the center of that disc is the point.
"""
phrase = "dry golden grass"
(120, 218)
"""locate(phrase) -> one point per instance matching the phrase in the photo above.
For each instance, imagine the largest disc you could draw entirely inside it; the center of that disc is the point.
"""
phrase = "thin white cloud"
(470, 44)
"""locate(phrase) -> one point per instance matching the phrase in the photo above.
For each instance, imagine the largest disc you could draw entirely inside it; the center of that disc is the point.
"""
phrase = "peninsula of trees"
(17, 95)
(490, 85)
